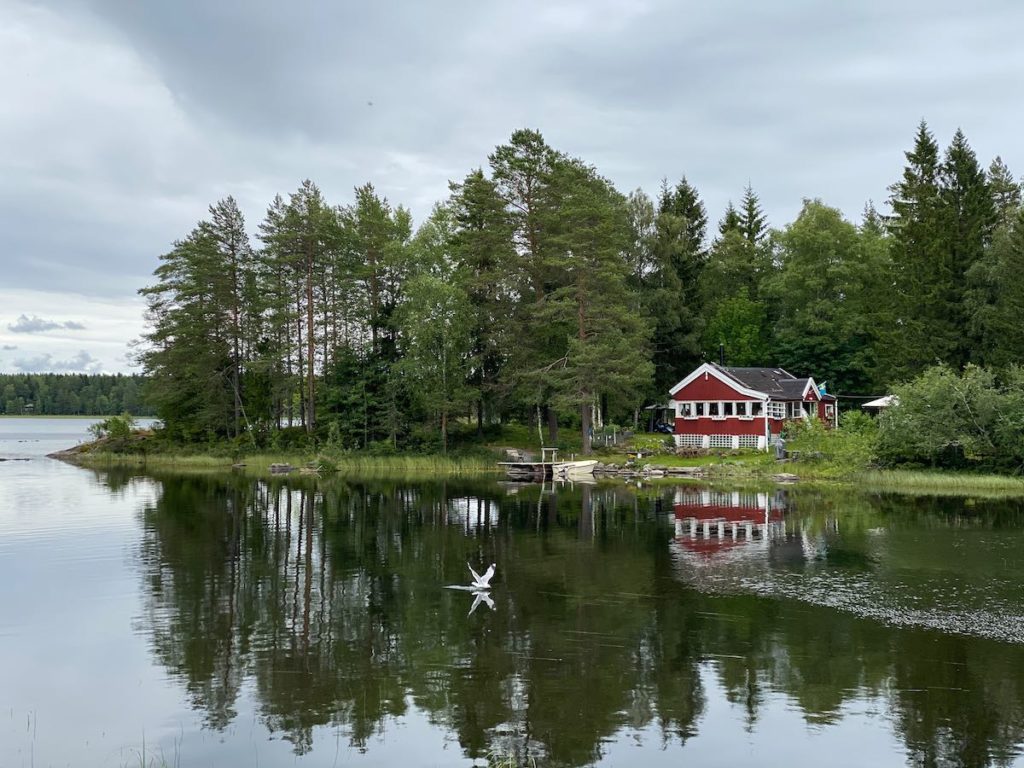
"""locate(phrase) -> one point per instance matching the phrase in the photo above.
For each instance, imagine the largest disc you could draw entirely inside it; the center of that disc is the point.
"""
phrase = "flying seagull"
(482, 582)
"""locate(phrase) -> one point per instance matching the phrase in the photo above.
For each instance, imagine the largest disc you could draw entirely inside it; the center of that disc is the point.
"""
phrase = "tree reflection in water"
(327, 599)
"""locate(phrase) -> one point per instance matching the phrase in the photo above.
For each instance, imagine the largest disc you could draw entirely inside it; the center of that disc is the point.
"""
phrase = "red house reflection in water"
(710, 523)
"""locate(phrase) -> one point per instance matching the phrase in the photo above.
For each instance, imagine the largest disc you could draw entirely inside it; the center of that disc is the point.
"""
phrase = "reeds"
(260, 464)
(922, 483)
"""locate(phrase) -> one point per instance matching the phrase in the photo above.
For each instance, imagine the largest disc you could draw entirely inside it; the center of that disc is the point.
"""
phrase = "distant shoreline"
(61, 416)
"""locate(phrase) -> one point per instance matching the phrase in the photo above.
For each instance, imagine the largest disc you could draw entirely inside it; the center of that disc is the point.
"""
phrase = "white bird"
(482, 582)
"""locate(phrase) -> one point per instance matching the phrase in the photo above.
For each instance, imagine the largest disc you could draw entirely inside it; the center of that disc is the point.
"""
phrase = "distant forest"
(56, 394)
(539, 292)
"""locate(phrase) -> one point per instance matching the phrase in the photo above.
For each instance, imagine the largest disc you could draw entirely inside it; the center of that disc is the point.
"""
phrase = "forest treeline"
(539, 292)
(72, 394)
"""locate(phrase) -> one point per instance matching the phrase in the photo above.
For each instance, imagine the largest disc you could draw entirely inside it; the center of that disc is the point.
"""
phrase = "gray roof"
(775, 382)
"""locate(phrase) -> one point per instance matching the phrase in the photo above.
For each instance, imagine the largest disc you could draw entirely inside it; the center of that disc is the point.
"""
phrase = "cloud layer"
(82, 362)
(123, 121)
(33, 324)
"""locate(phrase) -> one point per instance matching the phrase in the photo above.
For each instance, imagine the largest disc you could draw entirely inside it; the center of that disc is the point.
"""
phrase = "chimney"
(721, 354)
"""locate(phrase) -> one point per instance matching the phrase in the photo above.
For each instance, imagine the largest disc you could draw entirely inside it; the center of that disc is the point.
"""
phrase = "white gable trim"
(811, 385)
(708, 368)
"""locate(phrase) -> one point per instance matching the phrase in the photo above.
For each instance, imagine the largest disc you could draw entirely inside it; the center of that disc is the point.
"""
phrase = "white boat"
(574, 468)
(524, 469)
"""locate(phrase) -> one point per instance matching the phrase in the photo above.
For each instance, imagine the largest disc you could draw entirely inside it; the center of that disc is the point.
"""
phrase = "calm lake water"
(218, 621)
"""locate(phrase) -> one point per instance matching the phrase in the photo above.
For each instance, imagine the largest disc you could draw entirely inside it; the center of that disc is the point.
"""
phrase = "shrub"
(852, 446)
(943, 416)
(114, 427)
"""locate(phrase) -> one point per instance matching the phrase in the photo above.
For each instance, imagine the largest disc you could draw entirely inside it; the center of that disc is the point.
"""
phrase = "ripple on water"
(941, 604)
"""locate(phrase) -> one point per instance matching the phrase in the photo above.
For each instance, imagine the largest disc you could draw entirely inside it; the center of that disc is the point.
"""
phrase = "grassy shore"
(739, 468)
(260, 464)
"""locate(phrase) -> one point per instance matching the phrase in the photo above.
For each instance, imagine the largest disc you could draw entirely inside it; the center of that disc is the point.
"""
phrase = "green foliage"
(825, 297)
(436, 324)
(739, 324)
(115, 427)
(848, 449)
(945, 418)
(71, 394)
(537, 292)
(651, 443)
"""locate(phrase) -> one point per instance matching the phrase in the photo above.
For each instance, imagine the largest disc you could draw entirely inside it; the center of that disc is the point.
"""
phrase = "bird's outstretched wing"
(476, 576)
(488, 575)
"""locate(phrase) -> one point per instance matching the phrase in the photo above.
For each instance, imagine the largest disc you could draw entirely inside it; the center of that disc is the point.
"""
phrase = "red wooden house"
(720, 407)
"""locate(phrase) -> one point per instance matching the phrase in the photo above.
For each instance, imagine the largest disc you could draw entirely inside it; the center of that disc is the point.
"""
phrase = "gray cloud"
(83, 362)
(9, 347)
(33, 324)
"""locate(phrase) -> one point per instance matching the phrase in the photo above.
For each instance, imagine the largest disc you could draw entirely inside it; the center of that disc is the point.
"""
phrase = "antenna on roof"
(721, 354)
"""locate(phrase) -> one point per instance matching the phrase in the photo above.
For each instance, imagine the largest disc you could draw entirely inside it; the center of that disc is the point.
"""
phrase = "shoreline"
(737, 470)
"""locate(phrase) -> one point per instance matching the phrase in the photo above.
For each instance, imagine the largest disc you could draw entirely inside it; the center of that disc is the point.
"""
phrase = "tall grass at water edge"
(921, 483)
(259, 464)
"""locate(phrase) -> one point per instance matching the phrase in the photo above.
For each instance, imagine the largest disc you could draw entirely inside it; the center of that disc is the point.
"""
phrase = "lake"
(207, 620)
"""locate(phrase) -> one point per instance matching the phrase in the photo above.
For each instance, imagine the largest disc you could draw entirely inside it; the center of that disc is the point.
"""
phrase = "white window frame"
(776, 410)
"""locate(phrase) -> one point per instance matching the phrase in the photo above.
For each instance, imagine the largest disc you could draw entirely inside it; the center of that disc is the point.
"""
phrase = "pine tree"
(604, 351)
(227, 227)
(522, 171)
(482, 249)
(187, 357)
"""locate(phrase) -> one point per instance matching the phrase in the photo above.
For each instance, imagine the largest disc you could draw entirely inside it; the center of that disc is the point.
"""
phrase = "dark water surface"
(219, 621)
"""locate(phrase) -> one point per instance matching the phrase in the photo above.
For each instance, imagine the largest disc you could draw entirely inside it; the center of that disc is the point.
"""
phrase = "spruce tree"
(996, 298)
(971, 214)
(924, 328)
(752, 221)
(1006, 191)
(679, 257)
(737, 266)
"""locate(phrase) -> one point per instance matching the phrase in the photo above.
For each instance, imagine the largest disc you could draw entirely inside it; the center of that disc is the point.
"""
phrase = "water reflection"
(615, 612)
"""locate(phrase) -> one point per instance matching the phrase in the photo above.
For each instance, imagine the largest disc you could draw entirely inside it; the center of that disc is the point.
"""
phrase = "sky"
(121, 122)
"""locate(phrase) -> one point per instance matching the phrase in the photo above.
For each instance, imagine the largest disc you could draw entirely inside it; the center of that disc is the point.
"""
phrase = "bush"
(114, 427)
(651, 443)
(852, 446)
(943, 417)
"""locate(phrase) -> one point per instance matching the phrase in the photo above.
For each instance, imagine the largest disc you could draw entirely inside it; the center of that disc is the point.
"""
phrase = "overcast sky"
(121, 121)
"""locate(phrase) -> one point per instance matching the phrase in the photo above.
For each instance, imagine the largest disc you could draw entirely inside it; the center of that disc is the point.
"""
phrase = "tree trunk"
(444, 431)
(310, 351)
(585, 414)
(552, 426)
